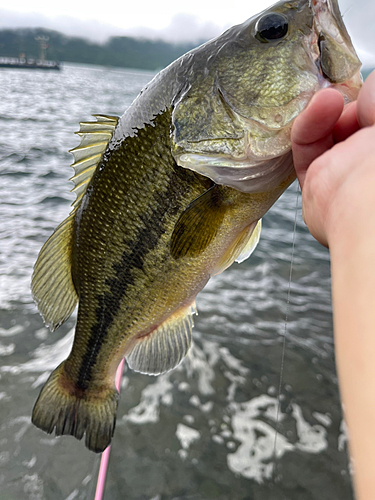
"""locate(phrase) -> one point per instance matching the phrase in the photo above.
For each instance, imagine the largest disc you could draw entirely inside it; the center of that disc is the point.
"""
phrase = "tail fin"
(93, 414)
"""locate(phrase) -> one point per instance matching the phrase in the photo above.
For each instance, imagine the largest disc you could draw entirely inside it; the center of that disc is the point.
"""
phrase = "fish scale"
(125, 269)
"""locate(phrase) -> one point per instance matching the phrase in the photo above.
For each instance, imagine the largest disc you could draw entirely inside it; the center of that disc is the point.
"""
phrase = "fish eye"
(271, 27)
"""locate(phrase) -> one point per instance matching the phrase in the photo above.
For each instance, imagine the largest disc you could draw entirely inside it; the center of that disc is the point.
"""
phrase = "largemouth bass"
(172, 193)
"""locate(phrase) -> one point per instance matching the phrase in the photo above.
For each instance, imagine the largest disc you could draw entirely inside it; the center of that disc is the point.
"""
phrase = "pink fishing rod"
(100, 484)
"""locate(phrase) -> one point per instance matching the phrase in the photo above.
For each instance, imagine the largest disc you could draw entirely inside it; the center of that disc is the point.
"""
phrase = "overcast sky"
(170, 20)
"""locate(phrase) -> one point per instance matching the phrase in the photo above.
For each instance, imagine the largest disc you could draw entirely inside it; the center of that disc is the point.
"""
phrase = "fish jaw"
(332, 51)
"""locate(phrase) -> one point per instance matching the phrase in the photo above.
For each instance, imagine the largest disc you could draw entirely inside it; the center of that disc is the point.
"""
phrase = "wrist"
(352, 249)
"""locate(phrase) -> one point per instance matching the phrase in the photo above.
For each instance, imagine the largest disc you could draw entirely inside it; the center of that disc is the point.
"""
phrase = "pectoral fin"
(164, 348)
(198, 225)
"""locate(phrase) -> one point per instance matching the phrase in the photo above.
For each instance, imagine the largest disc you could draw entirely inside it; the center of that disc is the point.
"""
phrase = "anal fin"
(165, 347)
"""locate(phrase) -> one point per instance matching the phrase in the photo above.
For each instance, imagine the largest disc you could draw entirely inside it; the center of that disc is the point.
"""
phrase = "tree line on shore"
(119, 51)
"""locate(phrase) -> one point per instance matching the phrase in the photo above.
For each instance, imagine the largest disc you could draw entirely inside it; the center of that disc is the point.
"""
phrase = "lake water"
(209, 429)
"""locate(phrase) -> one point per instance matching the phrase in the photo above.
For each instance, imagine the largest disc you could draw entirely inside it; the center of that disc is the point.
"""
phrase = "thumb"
(312, 130)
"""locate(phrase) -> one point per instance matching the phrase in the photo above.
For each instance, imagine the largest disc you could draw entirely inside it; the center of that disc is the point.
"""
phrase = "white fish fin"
(251, 244)
(242, 247)
(52, 284)
(95, 137)
(164, 348)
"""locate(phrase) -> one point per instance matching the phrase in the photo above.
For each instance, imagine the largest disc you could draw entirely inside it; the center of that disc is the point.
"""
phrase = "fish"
(172, 193)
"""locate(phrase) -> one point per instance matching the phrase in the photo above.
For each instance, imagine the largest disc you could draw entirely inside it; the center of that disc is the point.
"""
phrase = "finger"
(312, 130)
(319, 118)
(303, 157)
(366, 102)
(347, 124)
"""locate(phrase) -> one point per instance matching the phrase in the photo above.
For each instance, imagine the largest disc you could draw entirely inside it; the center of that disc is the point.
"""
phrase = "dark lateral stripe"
(148, 237)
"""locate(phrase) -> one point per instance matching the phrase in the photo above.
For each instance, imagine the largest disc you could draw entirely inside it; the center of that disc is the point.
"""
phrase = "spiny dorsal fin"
(242, 247)
(52, 284)
(95, 137)
(164, 348)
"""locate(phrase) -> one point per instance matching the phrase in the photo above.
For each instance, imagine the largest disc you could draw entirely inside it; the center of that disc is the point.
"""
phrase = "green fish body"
(171, 194)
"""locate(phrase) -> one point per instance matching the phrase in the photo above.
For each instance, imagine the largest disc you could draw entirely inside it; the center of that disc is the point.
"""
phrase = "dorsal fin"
(164, 348)
(95, 137)
(52, 282)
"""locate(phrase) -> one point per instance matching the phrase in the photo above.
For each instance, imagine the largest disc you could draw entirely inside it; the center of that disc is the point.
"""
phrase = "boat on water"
(23, 63)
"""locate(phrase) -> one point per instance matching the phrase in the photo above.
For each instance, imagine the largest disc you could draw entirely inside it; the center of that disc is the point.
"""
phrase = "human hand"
(334, 157)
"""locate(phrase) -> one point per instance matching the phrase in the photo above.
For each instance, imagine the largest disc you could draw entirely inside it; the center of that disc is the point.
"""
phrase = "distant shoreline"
(121, 52)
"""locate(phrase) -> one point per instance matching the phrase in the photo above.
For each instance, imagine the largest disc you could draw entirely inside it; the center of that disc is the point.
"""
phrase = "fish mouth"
(332, 51)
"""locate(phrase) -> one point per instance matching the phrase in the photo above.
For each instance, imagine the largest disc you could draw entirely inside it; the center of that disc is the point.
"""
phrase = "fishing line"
(347, 10)
(285, 332)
